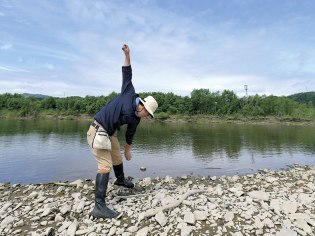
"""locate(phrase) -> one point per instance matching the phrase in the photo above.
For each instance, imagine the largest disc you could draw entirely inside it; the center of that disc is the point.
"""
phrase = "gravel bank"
(266, 203)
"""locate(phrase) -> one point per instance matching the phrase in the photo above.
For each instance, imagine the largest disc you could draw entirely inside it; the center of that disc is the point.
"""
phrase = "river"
(33, 151)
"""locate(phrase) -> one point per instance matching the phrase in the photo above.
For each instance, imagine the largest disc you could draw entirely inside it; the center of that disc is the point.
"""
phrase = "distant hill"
(307, 97)
(38, 96)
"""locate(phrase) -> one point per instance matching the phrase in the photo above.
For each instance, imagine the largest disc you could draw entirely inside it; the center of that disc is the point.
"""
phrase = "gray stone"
(46, 212)
(143, 232)
(160, 218)
(286, 232)
(5, 207)
(200, 215)
(229, 216)
(112, 231)
(289, 207)
(132, 229)
(66, 208)
(259, 195)
(7, 221)
(189, 218)
(64, 226)
(72, 228)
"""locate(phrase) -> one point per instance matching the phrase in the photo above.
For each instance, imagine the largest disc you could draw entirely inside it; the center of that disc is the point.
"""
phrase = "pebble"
(143, 232)
(200, 215)
(160, 218)
(7, 221)
(5, 207)
(189, 218)
(72, 228)
(66, 208)
(259, 195)
(46, 212)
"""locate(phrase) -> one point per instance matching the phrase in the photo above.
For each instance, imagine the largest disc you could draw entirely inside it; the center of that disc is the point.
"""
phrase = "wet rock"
(146, 181)
(78, 183)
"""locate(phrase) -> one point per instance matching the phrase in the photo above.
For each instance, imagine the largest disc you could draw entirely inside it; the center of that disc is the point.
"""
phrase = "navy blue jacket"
(121, 110)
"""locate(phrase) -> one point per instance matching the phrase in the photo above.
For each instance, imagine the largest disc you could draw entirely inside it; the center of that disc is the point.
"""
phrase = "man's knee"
(117, 162)
(104, 169)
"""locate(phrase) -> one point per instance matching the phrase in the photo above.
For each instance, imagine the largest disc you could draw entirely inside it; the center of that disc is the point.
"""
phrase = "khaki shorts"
(105, 158)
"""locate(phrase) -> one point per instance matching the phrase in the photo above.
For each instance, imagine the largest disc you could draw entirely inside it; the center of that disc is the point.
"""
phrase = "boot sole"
(96, 217)
(121, 185)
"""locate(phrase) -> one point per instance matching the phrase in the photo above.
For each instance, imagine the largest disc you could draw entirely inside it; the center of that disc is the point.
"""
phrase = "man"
(126, 108)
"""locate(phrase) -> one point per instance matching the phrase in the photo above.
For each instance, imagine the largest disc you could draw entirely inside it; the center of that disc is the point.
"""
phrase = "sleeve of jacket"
(127, 86)
(131, 130)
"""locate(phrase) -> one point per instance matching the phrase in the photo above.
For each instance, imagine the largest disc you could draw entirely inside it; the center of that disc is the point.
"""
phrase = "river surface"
(33, 151)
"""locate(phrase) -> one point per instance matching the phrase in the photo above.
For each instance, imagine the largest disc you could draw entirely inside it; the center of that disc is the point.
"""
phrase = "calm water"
(47, 150)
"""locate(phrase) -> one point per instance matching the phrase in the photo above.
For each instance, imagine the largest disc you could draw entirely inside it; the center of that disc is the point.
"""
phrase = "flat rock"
(66, 208)
(289, 207)
(259, 195)
(160, 218)
(72, 228)
(46, 212)
(8, 220)
(286, 232)
(143, 232)
(200, 215)
(229, 216)
(189, 218)
(112, 231)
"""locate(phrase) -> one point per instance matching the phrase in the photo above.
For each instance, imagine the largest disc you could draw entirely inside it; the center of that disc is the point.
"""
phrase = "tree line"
(307, 98)
(200, 102)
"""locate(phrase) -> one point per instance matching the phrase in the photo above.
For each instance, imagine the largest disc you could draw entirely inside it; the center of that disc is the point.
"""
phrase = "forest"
(200, 102)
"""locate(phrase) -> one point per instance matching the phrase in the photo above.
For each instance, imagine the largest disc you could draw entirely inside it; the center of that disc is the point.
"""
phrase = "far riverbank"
(162, 117)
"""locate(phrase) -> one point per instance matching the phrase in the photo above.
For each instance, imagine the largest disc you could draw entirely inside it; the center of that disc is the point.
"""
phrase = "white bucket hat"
(150, 104)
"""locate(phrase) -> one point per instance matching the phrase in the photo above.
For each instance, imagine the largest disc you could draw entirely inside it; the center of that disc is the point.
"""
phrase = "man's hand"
(126, 49)
(127, 152)
(128, 156)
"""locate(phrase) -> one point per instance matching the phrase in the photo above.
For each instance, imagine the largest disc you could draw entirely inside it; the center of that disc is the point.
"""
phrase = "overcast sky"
(73, 47)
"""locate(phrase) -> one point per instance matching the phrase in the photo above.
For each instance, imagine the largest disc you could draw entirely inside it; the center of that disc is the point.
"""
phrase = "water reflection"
(207, 140)
(44, 150)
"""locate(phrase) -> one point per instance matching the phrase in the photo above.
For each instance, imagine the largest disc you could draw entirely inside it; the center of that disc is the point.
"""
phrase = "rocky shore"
(280, 203)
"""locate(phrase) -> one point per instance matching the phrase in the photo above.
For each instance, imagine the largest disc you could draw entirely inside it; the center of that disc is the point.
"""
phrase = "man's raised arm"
(126, 50)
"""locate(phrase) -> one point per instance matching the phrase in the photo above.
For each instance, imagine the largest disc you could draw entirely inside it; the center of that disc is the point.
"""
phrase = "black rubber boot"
(121, 181)
(100, 209)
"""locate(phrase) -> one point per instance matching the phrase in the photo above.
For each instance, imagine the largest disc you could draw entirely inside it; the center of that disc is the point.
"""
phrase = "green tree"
(49, 103)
